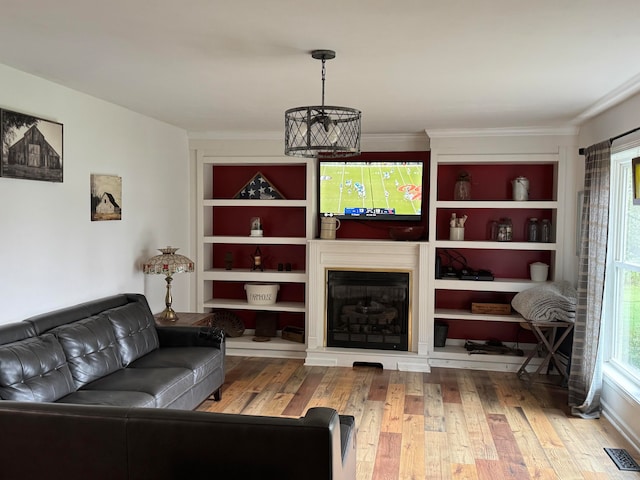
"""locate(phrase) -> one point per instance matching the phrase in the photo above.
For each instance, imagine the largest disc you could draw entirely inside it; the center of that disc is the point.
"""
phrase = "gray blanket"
(548, 302)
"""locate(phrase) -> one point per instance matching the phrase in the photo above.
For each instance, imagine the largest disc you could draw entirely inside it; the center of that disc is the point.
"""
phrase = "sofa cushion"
(166, 385)
(135, 331)
(90, 347)
(111, 398)
(34, 370)
(202, 361)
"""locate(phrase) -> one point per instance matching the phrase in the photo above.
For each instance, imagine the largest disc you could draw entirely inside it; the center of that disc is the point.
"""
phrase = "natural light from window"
(622, 313)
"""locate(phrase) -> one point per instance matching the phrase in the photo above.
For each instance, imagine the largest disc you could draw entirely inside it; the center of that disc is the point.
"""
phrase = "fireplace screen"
(368, 309)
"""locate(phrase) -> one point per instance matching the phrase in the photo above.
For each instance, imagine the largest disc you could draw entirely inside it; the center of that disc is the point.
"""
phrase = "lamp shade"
(168, 263)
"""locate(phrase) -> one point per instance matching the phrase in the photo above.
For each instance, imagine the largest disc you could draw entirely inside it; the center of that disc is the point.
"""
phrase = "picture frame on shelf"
(32, 147)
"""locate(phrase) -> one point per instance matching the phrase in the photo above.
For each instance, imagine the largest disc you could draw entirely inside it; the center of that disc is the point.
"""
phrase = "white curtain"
(585, 379)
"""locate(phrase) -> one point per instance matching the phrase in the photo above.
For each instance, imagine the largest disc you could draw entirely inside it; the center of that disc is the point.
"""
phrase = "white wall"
(52, 254)
(619, 406)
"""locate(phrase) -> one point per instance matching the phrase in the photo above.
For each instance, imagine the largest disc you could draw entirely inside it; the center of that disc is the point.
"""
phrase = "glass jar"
(533, 230)
(505, 230)
(462, 190)
(545, 231)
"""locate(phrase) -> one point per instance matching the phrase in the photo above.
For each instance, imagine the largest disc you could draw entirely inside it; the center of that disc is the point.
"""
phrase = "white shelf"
(490, 245)
(501, 204)
(496, 285)
(248, 240)
(446, 154)
(275, 347)
(237, 275)
(236, 304)
(210, 246)
(254, 203)
(459, 314)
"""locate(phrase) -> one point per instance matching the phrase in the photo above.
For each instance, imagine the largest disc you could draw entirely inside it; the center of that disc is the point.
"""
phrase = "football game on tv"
(370, 190)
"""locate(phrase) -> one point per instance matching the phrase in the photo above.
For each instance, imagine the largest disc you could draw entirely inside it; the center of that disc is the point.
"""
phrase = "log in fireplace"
(368, 309)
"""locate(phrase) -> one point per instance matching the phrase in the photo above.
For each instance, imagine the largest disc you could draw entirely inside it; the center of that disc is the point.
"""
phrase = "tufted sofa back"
(51, 355)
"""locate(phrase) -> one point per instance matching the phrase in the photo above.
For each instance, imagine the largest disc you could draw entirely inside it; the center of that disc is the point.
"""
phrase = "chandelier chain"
(324, 72)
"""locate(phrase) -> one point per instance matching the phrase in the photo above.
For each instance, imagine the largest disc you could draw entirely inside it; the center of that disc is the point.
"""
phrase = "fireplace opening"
(368, 310)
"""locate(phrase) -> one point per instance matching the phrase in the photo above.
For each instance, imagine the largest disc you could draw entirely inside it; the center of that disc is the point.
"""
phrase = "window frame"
(628, 380)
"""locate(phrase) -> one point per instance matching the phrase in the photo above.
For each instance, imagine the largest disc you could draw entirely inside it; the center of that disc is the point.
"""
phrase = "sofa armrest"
(191, 337)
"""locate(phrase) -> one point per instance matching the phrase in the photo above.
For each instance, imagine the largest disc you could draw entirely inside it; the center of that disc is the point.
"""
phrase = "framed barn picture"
(31, 147)
(635, 173)
(106, 197)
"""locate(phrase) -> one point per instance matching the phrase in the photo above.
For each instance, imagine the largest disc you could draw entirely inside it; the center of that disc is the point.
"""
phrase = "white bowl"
(261, 293)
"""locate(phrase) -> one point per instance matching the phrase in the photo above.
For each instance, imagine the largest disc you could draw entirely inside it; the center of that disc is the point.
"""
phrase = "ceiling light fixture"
(322, 131)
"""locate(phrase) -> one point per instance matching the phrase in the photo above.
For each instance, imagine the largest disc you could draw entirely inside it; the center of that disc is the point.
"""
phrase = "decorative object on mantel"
(462, 188)
(322, 131)
(258, 188)
(106, 197)
(168, 264)
(32, 147)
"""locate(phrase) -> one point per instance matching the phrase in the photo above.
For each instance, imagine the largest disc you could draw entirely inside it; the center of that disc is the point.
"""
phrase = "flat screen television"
(370, 190)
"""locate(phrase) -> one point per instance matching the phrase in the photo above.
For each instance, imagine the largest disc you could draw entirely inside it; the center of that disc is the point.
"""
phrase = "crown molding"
(502, 132)
(613, 98)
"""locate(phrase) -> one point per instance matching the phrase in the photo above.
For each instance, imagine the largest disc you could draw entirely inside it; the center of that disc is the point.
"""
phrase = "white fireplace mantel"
(374, 255)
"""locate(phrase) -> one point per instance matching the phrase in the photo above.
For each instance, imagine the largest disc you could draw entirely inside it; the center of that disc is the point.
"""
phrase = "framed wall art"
(106, 197)
(31, 147)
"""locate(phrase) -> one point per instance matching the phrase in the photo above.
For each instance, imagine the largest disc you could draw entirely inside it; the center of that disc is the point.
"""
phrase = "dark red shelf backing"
(477, 225)
(493, 182)
(502, 263)
(509, 333)
(289, 180)
(272, 255)
(285, 319)
(276, 221)
(289, 292)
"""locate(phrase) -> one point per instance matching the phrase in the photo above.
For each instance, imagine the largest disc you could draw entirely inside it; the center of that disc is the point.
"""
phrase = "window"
(622, 306)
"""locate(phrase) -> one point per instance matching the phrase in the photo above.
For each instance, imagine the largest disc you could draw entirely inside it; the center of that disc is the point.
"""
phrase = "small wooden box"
(491, 308)
(295, 334)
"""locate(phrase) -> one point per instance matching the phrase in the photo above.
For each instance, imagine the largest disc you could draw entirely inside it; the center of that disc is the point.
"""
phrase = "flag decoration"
(259, 188)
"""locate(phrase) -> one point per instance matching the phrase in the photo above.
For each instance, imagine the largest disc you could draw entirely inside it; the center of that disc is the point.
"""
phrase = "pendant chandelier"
(322, 131)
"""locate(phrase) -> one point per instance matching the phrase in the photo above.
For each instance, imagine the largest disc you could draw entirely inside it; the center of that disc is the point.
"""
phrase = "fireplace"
(368, 309)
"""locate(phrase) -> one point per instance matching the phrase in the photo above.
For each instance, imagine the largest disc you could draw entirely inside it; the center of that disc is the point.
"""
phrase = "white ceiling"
(232, 67)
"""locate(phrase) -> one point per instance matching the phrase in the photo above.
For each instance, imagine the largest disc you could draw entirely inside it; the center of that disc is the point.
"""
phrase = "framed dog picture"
(31, 147)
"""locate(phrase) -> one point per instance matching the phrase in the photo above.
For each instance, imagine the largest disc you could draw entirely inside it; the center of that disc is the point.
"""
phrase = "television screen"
(370, 190)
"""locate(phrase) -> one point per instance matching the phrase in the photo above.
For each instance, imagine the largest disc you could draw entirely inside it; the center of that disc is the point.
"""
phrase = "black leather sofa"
(63, 441)
(110, 352)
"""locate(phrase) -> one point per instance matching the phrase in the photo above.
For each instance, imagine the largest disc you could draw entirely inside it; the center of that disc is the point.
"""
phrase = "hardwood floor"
(447, 424)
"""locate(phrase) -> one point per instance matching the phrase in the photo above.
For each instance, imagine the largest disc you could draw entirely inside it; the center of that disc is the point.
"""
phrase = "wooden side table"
(545, 332)
(186, 319)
